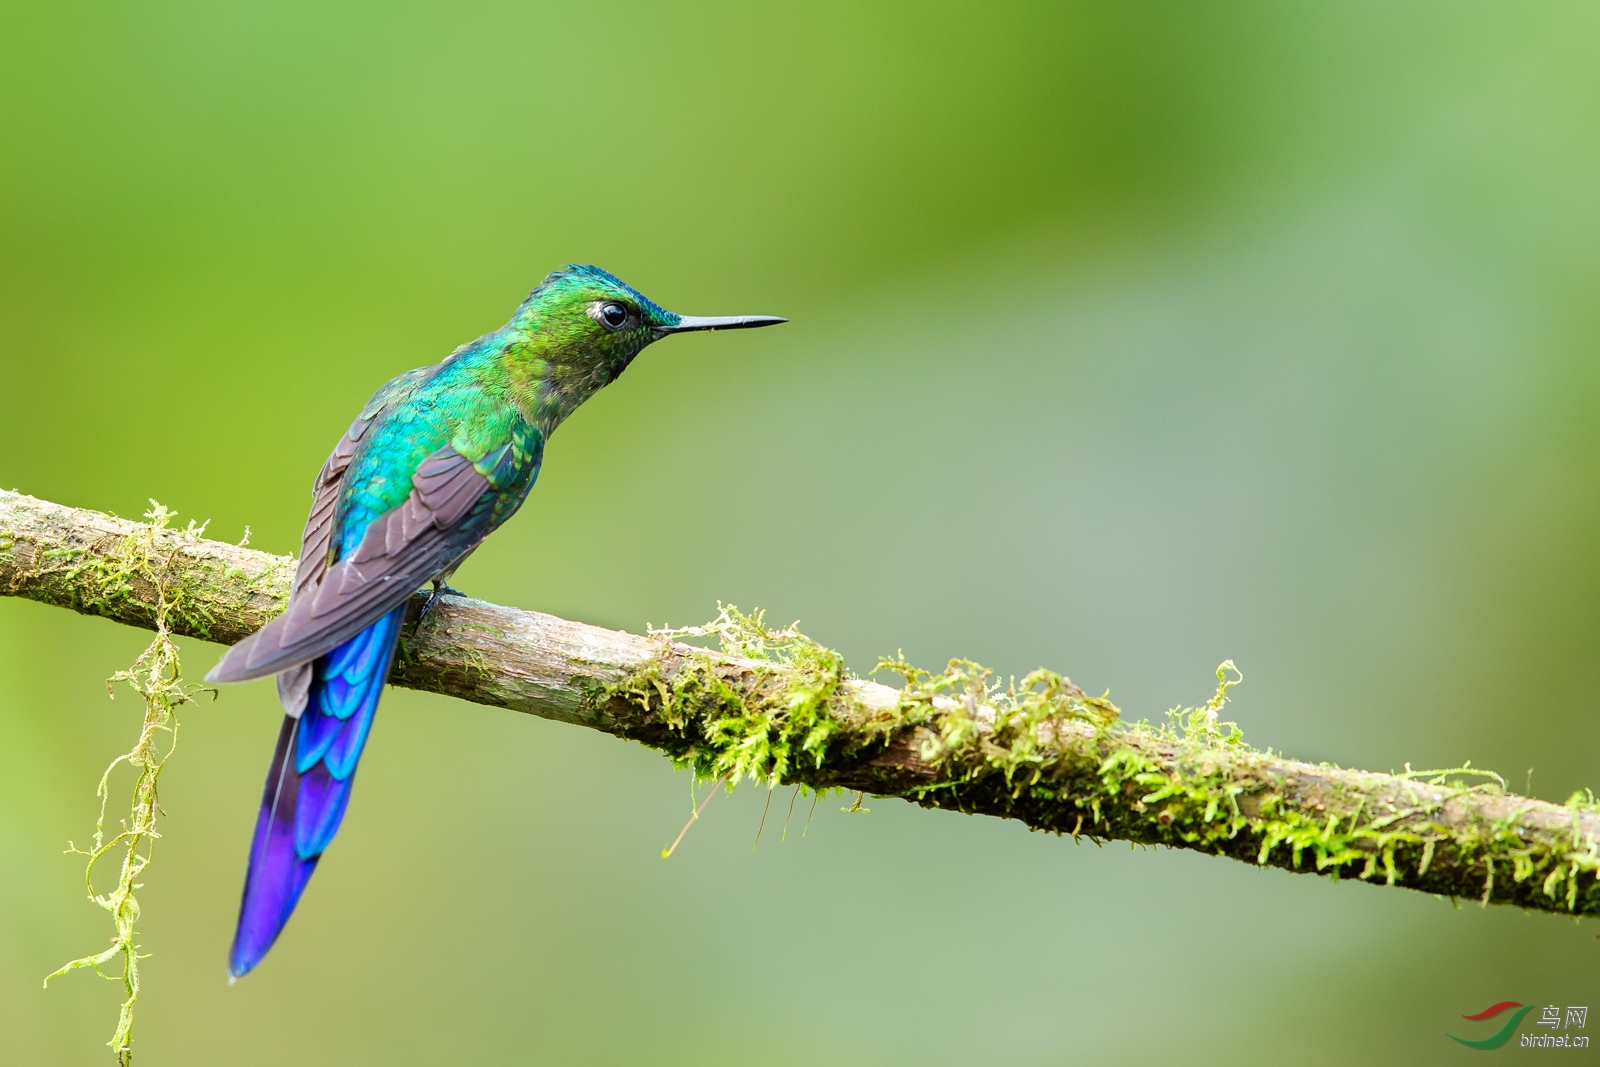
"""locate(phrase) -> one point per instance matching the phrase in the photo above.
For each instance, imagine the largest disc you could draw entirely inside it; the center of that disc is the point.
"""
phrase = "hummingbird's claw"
(440, 590)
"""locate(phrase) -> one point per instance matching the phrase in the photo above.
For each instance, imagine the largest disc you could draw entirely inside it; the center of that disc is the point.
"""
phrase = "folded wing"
(316, 548)
(445, 516)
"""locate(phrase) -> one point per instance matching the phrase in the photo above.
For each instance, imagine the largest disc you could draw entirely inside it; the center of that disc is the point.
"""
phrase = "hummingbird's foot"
(440, 590)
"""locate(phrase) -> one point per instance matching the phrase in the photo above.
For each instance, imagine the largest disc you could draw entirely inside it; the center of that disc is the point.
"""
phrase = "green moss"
(476, 665)
(476, 627)
(103, 583)
(198, 593)
(766, 728)
(1043, 751)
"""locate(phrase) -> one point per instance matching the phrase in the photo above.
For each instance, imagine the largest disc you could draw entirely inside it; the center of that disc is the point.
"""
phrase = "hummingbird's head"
(586, 325)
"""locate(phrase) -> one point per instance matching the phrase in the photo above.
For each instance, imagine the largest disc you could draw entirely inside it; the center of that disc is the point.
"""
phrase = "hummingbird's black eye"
(614, 316)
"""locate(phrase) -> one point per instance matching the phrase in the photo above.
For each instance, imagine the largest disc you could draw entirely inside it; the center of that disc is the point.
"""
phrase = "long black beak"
(686, 323)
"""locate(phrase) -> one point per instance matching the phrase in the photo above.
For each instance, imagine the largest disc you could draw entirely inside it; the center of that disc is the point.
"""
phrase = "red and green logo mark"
(1501, 1036)
(1576, 1017)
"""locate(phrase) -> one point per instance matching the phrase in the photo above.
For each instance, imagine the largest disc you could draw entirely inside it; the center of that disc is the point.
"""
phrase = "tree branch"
(775, 706)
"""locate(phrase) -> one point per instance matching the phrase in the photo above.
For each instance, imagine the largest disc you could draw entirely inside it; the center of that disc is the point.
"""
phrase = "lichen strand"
(775, 708)
(157, 678)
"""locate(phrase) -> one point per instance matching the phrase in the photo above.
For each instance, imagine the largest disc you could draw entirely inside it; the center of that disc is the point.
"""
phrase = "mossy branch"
(774, 706)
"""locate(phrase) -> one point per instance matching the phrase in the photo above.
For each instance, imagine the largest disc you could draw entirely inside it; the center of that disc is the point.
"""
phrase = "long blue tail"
(308, 785)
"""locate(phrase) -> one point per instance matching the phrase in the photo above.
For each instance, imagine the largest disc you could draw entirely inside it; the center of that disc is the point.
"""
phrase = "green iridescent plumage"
(510, 387)
(438, 459)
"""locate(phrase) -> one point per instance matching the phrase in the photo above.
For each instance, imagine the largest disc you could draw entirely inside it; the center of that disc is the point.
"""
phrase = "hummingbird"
(435, 462)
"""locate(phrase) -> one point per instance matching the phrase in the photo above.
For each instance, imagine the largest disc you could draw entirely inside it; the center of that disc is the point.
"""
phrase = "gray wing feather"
(294, 689)
(294, 684)
(400, 551)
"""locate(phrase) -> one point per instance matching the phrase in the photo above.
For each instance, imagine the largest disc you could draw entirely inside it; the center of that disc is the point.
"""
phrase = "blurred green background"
(1126, 338)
